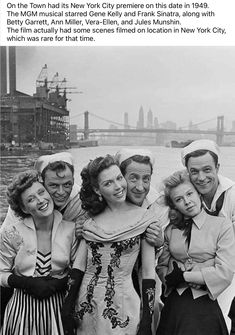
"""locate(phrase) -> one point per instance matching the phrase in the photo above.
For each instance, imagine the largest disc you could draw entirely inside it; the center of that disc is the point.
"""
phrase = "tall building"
(156, 124)
(140, 123)
(150, 119)
(126, 122)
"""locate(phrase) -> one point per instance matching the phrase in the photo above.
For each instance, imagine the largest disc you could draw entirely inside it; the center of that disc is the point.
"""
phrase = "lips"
(44, 206)
(60, 199)
(120, 194)
(190, 208)
(203, 184)
(139, 195)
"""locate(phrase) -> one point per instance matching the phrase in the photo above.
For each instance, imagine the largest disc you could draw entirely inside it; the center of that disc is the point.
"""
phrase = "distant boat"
(182, 144)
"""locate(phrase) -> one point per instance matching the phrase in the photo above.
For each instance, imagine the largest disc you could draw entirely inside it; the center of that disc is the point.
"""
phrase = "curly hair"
(174, 180)
(21, 182)
(57, 166)
(90, 173)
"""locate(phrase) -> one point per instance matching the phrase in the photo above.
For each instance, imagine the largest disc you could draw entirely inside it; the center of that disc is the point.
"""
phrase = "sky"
(180, 84)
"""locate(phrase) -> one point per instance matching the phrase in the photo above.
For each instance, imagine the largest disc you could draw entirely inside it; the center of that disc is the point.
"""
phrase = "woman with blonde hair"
(197, 263)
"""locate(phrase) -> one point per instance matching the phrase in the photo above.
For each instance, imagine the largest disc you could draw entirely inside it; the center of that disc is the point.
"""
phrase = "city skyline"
(180, 84)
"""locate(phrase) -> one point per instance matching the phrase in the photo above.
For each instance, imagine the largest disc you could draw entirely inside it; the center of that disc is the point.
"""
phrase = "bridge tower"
(86, 125)
(220, 130)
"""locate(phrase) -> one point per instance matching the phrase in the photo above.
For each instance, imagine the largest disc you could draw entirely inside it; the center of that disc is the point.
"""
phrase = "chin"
(60, 204)
(138, 202)
(203, 190)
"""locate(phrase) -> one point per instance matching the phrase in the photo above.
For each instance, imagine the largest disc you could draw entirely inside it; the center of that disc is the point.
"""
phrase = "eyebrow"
(203, 167)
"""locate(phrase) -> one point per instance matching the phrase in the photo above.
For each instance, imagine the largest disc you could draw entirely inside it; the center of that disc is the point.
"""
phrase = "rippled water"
(167, 160)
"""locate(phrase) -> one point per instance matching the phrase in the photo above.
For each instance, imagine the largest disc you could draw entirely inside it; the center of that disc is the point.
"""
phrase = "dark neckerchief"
(218, 206)
(60, 210)
(188, 229)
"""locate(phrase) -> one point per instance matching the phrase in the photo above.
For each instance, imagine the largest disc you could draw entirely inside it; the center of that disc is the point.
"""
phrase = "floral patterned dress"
(107, 301)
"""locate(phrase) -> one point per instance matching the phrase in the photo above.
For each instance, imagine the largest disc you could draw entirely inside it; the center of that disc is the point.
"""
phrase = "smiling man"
(57, 173)
(201, 159)
(137, 166)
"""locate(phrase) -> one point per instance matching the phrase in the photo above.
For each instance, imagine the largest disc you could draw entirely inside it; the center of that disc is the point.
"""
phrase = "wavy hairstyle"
(174, 180)
(57, 167)
(21, 182)
(91, 202)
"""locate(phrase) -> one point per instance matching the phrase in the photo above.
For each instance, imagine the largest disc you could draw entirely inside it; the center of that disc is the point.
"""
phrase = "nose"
(117, 185)
(201, 175)
(139, 185)
(60, 189)
(186, 200)
(39, 198)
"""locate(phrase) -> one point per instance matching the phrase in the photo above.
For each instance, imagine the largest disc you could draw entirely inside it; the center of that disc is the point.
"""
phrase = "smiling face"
(138, 178)
(204, 174)
(186, 199)
(112, 185)
(37, 201)
(59, 184)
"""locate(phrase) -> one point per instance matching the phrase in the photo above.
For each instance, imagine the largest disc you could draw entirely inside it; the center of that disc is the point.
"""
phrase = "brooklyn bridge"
(219, 131)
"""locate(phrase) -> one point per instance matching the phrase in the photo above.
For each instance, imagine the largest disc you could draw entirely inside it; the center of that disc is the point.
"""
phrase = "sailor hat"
(199, 145)
(44, 160)
(126, 153)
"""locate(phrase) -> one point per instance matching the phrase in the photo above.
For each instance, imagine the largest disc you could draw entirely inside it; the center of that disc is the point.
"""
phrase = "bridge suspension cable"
(75, 116)
(111, 121)
(197, 124)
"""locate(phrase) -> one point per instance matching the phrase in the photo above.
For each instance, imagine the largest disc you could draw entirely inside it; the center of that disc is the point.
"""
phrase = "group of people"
(116, 256)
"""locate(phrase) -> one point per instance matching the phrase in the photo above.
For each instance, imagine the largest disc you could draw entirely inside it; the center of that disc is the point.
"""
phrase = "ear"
(97, 191)
(217, 167)
(24, 209)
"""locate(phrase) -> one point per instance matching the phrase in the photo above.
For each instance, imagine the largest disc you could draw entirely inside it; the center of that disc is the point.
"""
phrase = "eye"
(30, 200)
(177, 200)
(207, 170)
(53, 185)
(193, 172)
(146, 179)
(119, 177)
(132, 178)
(68, 185)
(107, 183)
(42, 191)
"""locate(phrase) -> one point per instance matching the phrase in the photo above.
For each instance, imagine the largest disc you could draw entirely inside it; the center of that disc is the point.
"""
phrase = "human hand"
(40, 287)
(144, 329)
(154, 235)
(175, 277)
(68, 322)
(59, 284)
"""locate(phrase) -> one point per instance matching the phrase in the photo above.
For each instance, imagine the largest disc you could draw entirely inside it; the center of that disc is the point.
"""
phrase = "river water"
(167, 160)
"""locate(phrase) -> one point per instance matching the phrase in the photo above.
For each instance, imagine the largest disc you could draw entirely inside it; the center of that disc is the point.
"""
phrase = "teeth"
(119, 193)
(43, 206)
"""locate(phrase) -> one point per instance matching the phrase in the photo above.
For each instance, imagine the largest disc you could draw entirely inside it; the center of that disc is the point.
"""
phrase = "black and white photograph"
(117, 190)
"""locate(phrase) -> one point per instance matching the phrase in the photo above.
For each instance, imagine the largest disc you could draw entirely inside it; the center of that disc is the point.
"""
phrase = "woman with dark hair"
(36, 253)
(197, 263)
(101, 298)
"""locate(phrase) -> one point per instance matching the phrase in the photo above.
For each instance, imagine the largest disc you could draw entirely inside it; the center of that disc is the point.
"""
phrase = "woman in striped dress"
(36, 254)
